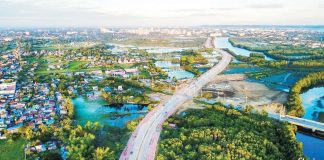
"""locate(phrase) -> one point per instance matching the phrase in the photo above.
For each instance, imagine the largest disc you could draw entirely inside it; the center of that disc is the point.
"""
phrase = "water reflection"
(313, 102)
(97, 111)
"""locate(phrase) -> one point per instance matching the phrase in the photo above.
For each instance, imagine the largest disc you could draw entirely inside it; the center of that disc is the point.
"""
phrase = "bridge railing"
(306, 120)
(299, 121)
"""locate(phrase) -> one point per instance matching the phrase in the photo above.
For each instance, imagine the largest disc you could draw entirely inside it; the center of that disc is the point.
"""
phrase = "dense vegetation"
(191, 57)
(294, 105)
(222, 133)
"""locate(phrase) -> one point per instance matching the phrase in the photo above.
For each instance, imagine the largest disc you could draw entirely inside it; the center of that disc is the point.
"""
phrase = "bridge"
(305, 123)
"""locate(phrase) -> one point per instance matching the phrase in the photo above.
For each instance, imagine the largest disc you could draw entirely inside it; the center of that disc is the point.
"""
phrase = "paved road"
(143, 142)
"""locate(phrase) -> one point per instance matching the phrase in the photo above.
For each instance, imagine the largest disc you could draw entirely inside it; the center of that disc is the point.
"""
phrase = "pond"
(162, 50)
(223, 42)
(174, 70)
(97, 111)
(313, 102)
(241, 70)
(167, 64)
(203, 70)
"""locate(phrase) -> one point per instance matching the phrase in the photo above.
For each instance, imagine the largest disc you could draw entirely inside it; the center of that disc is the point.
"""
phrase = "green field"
(12, 150)
(79, 66)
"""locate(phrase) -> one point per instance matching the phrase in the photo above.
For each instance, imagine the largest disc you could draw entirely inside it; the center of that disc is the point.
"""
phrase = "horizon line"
(167, 26)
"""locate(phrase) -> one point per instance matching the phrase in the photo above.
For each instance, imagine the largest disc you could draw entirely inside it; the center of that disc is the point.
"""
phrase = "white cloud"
(160, 12)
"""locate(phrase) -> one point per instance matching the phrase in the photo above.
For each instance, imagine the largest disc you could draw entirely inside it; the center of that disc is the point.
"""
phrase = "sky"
(96, 13)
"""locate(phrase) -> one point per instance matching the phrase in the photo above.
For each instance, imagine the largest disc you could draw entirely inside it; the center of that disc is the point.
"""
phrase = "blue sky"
(56, 13)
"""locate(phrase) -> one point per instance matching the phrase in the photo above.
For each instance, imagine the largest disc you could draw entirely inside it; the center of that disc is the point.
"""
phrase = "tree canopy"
(222, 133)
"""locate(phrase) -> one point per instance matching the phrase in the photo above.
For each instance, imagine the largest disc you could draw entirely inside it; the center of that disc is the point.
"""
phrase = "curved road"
(143, 142)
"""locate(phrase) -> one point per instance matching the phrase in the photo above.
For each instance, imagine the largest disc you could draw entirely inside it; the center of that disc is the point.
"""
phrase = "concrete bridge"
(301, 122)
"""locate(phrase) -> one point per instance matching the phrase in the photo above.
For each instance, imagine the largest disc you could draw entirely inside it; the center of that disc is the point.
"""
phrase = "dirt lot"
(233, 89)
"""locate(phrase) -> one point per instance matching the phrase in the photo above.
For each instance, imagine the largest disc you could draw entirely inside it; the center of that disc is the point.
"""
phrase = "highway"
(143, 142)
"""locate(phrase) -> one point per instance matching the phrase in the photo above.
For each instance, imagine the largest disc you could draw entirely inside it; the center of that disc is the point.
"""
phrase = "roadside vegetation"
(223, 133)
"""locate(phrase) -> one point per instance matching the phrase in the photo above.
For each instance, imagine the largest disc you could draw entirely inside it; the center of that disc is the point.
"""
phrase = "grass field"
(75, 65)
(12, 150)
(78, 66)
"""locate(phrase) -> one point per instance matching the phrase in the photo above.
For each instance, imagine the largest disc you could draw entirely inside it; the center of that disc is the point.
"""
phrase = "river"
(312, 147)
(223, 42)
(313, 102)
(97, 111)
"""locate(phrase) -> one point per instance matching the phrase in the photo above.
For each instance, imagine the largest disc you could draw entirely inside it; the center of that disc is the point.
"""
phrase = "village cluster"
(27, 103)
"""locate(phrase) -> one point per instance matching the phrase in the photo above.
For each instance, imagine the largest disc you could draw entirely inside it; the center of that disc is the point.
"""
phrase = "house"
(95, 88)
(3, 125)
(15, 128)
(131, 71)
(40, 148)
(108, 89)
(120, 88)
(119, 72)
(98, 73)
(3, 113)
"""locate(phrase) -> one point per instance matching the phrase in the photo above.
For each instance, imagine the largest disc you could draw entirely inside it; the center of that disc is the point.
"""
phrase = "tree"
(28, 133)
(102, 153)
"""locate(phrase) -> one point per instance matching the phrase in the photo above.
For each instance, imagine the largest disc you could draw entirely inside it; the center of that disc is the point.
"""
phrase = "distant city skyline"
(96, 13)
